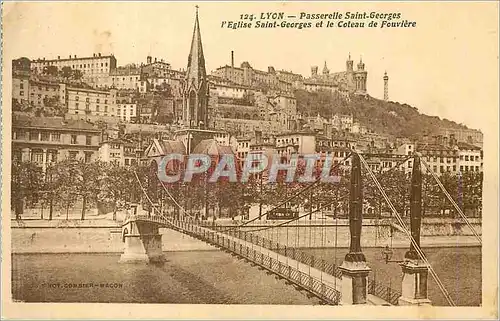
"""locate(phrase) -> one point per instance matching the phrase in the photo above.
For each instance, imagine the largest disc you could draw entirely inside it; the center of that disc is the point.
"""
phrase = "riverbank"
(104, 236)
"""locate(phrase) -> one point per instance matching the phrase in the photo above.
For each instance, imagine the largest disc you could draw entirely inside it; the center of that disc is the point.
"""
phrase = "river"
(214, 277)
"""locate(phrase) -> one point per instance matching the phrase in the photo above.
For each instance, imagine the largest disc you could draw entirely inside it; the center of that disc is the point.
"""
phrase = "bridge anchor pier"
(142, 243)
(414, 284)
(354, 282)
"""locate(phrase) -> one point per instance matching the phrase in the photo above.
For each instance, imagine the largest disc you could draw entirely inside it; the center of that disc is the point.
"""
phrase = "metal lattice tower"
(386, 87)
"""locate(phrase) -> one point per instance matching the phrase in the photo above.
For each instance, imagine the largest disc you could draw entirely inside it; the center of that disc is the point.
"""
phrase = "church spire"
(196, 62)
(195, 92)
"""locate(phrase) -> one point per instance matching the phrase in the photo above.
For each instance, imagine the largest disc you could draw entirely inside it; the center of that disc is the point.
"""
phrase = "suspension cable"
(173, 199)
(296, 218)
(291, 197)
(448, 196)
(405, 229)
(147, 196)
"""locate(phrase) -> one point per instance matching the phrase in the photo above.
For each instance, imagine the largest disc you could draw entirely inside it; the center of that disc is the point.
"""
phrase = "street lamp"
(387, 252)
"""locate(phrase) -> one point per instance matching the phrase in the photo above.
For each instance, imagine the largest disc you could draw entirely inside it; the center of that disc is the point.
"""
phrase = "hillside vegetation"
(400, 120)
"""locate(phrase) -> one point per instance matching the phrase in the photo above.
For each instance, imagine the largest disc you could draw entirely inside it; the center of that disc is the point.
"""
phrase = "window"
(56, 137)
(454, 168)
(72, 154)
(21, 93)
(21, 86)
(88, 140)
(435, 159)
(52, 156)
(434, 168)
(127, 161)
(88, 157)
(461, 168)
(45, 136)
(477, 168)
(87, 99)
(466, 158)
(105, 109)
(461, 157)
(97, 108)
(466, 168)
(98, 100)
(73, 139)
(76, 106)
(37, 156)
(105, 101)
(34, 135)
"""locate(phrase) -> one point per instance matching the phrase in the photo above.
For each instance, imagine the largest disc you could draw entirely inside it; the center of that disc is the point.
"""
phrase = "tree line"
(112, 187)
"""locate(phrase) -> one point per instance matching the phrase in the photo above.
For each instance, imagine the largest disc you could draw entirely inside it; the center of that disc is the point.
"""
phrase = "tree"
(77, 74)
(88, 178)
(117, 186)
(66, 72)
(26, 185)
(50, 70)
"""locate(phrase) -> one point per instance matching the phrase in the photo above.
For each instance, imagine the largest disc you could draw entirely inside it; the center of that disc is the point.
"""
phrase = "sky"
(447, 66)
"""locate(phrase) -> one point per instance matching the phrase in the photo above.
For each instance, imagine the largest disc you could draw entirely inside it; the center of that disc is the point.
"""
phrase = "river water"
(214, 277)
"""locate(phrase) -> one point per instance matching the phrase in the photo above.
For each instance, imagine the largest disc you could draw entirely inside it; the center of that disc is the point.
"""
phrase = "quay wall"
(91, 237)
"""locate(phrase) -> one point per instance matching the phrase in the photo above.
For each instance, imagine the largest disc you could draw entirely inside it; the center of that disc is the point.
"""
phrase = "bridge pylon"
(354, 268)
(142, 240)
(415, 270)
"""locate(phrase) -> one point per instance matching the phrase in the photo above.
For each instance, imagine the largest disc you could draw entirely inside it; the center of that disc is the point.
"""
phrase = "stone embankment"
(104, 236)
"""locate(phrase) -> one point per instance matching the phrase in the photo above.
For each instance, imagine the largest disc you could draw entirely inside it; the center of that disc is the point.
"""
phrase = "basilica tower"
(195, 92)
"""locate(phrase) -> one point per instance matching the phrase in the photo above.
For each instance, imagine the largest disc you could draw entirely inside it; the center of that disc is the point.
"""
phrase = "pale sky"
(446, 66)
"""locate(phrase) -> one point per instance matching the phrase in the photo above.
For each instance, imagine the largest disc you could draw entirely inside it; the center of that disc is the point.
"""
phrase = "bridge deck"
(321, 284)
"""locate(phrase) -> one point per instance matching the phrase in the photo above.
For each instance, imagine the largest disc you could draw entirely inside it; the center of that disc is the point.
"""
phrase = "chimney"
(99, 54)
(69, 56)
(149, 59)
(75, 56)
(232, 59)
(258, 136)
(58, 57)
(155, 59)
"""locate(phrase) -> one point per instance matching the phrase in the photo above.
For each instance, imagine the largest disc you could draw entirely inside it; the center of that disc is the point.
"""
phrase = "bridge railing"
(384, 292)
(291, 252)
(376, 288)
(226, 241)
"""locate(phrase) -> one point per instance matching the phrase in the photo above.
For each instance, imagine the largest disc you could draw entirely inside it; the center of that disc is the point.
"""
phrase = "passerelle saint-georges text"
(303, 20)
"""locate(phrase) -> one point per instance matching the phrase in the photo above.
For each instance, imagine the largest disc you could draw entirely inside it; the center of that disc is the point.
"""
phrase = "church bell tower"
(196, 89)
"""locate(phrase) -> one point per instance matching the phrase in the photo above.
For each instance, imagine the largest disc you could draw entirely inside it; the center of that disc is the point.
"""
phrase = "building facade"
(47, 140)
(83, 101)
(92, 68)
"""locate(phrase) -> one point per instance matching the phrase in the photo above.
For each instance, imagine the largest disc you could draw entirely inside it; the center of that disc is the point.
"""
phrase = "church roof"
(164, 147)
(211, 147)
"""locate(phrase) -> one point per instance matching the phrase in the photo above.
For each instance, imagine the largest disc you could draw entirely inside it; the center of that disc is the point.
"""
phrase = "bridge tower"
(354, 268)
(415, 270)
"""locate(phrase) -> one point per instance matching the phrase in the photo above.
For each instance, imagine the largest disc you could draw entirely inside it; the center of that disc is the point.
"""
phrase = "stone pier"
(142, 242)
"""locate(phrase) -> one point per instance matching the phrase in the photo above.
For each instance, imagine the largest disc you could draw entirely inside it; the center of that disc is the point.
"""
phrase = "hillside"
(400, 120)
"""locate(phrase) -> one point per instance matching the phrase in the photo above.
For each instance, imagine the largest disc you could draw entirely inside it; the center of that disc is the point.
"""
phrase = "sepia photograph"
(301, 159)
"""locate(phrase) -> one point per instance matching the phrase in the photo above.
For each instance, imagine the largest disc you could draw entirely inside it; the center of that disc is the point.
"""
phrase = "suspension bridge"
(345, 284)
